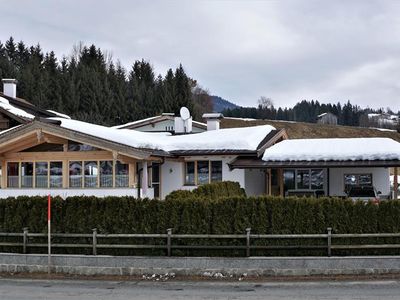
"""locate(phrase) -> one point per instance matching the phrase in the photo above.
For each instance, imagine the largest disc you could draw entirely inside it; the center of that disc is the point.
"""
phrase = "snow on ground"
(383, 129)
(5, 104)
(340, 149)
(246, 138)
(241, 119)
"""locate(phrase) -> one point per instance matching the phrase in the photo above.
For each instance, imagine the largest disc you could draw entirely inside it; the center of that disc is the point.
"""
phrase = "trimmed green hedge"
(212, 191)
(199, 214)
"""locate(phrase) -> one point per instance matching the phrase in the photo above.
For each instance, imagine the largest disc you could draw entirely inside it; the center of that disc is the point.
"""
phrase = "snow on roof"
(246, 138)
(59, 114)
(213, 116)
(135, 122)
(5, 104)
(242, 119)
(338, 149)
(165, 115)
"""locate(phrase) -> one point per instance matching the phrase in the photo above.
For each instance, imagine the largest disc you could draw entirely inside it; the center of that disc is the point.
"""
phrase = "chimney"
(213, 120)
(10, 87)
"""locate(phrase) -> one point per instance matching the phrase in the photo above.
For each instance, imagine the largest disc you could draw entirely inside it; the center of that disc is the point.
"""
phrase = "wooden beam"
(269, 182)
(59, 155)
(3, 174)
(281, 183)
(51, 139)
(21, 145)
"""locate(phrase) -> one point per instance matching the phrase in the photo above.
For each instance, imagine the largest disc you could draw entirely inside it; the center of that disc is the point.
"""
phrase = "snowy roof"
(213, 116)
(245, 139)
(162, 117)
(344, 149)
(5, 104)
(59, 114)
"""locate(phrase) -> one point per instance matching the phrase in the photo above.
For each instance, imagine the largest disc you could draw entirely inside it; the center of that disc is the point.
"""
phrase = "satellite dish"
(185, 114)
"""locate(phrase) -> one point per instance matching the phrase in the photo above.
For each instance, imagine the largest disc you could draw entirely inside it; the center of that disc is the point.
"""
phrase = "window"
(155, 179)
(351, 180)
(91, 172)
(106, 173)
(303, 179)
(56, 174)
(317, 179)
(190, 173)
(75, 174)
(13, 174)
(202, 172)
(27, 174)
(121, 174)
(74, 146)
(41, 174)
(289, 179)
(216, 171)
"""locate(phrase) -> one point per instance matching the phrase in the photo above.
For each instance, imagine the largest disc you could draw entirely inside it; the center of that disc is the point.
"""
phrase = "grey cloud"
(240, 50)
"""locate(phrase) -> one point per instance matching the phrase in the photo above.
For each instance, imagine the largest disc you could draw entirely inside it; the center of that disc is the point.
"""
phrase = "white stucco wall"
(254, 182)
(64, 193)
(172, 174)
(380, 179)
(160, 126)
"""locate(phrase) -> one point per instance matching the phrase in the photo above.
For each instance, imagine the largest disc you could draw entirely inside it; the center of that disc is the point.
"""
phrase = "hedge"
(199, 215)
(213, 190)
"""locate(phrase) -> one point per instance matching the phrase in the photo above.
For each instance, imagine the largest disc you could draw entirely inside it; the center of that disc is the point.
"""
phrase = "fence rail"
(168, 237)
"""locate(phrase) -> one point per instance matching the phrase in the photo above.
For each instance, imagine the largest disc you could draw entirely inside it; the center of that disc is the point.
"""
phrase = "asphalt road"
(12, 289)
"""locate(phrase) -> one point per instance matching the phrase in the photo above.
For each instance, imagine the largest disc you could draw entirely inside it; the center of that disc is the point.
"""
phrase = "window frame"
(196, 183)
(357, 175)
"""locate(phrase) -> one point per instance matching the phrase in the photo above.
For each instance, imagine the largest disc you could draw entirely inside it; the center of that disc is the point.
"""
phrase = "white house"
(47, 152)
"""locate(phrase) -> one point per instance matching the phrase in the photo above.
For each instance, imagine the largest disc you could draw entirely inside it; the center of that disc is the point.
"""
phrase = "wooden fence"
(246, 246)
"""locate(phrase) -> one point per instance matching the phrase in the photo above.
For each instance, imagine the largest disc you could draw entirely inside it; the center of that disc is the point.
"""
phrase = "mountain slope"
(220, 104)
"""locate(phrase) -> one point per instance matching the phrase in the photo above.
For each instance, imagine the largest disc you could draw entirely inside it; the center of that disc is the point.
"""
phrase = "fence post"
(25, 240)
(94, 241)
(169, 233)
(329, 241)
(248, 241)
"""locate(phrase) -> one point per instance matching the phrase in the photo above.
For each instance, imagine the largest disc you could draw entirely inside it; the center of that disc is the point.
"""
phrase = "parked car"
(365, 193)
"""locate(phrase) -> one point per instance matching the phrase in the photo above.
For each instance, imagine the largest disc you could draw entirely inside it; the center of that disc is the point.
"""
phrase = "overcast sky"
(287, 50)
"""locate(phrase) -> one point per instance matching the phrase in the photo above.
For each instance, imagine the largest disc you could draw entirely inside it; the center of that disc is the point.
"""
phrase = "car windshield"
(362, 192)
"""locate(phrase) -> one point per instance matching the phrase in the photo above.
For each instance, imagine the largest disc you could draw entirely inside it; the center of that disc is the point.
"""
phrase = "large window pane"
(216, 171)
(289, 180)
(106, 173)
(357, 180)
(155, 179)
(91, 172)
(303, 179)
(41, 176)
(189, 173)
(317, 179)
(27, 174)
(13, 174)
(121, 174)
(75, 174)
(56, 174)
(203, 172)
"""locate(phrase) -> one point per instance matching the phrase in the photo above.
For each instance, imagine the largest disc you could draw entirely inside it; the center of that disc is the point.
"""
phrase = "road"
(21, 289)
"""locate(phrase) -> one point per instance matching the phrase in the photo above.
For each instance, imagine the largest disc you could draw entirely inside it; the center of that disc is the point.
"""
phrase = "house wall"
(380, 179)
(162, 125)
(254, 182)
(172, 173)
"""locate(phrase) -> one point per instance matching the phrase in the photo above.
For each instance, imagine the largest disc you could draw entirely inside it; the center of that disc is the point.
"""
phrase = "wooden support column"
(281, 187)
(395, 183)
(144, 179)
(3, 174)
(65, 170)
(269, 182)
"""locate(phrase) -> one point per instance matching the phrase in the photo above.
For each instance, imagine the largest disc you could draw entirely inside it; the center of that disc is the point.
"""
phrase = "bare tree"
(265, 102)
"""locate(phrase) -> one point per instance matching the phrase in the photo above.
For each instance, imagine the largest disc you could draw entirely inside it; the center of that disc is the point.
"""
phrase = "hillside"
(221, 104)
(299, 130)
